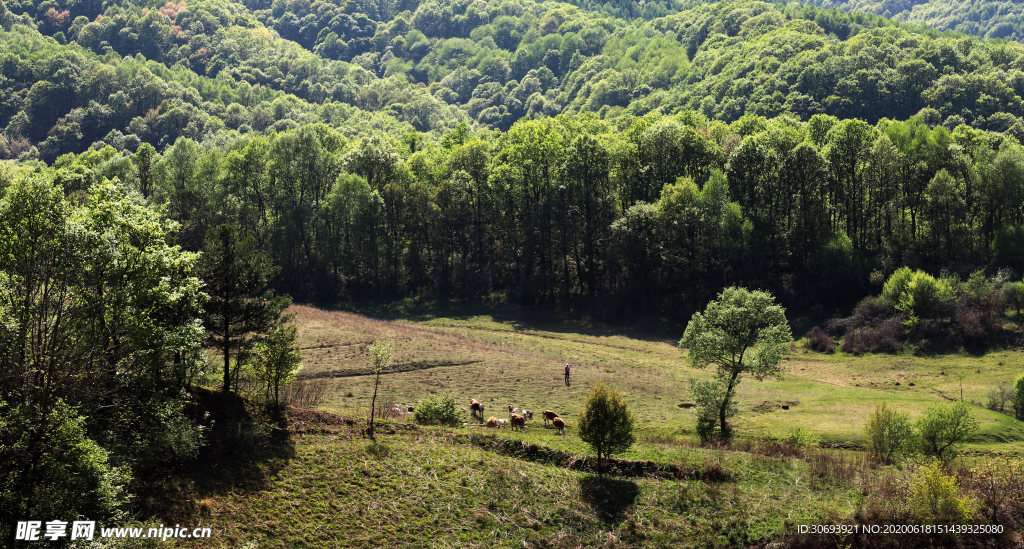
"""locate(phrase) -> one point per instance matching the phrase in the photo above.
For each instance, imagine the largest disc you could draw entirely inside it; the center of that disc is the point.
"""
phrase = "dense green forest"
(654, 213)
(86, 73)
(535, 151)
(978, 17)
(163, 164)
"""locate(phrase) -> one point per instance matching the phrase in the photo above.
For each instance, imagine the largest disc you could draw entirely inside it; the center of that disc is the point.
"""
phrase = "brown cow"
(528, 414)
(492, 422)
(549, 416)
(518, 421)
(476, 408)
(559, 424)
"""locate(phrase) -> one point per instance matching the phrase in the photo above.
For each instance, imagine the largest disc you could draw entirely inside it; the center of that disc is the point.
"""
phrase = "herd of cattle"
(516, 417)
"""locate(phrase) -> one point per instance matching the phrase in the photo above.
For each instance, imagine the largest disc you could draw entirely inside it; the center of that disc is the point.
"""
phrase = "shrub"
(944, 428)
(871, 310)
(156, 435)
(819, 341)
(890, 434)
(935, 498)
(605, 422)
(915, 293)
(1013, 295)
(897, 287)
(305, 394)
(934, 336)
(803, 438)
(1018, 397)
(999, 483)
(924, 295)
(829, 468)
(70, 476)
(278, 361)
(1000, 399)
(707, 397)
(888, 499)
(886, 338)
(438, 410)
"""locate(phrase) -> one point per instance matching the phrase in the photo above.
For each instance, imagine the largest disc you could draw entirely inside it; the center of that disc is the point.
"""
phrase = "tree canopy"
(740, 333)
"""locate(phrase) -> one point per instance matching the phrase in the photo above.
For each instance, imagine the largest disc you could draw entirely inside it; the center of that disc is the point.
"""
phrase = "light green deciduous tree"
(944, 428)
(278, 359)
(740, 333)
(381, 355)
(890, 434)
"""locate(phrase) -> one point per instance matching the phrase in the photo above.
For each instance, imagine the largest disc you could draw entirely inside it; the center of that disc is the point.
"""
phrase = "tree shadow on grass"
(245, 446)
(608, 497)
(556, 319)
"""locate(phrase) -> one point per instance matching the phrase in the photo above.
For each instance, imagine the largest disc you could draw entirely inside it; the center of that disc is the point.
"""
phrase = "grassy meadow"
(329, 486)
(514, 361)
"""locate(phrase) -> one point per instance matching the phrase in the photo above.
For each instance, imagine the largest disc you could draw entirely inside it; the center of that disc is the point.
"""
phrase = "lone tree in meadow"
(740, 333)
(606, 423)
(381, 355)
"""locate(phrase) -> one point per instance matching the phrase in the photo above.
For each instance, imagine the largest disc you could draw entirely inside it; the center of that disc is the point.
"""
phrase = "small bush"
(708, 396)
(935, 498)
(438, 410)
(306, 394)
(1000, 399)
(871, 311)
(819, 341)
(999, 484)
(944, 428)
(888, 499)
(802, 438)
(1012, 294)
(886, 338)
(829, 468)
(935, 336)
(245, 435)
(890, 435)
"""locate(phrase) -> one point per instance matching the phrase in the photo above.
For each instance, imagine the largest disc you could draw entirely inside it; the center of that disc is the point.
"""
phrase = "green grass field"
(419, 488)
(502, 362)
(329, 486)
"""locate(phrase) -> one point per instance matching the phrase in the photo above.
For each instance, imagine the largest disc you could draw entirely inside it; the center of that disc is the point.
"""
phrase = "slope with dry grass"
(501, 360)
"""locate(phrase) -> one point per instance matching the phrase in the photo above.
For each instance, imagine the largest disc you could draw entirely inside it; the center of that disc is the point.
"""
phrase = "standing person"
(566, 374)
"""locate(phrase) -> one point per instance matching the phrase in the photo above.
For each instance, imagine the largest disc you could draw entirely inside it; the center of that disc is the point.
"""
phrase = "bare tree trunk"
(227, 366)
(373, 402)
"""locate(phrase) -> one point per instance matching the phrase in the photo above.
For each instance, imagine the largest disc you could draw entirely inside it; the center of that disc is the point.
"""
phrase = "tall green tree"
(240, 306)
(740, 333)
(98, 333)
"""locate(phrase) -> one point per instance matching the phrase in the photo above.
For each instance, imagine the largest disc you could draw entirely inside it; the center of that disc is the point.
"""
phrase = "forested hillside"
(85, 72)
(536, 151)
(978, 17)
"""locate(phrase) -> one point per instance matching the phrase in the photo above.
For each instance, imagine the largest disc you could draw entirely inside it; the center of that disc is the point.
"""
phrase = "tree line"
(654, 213)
